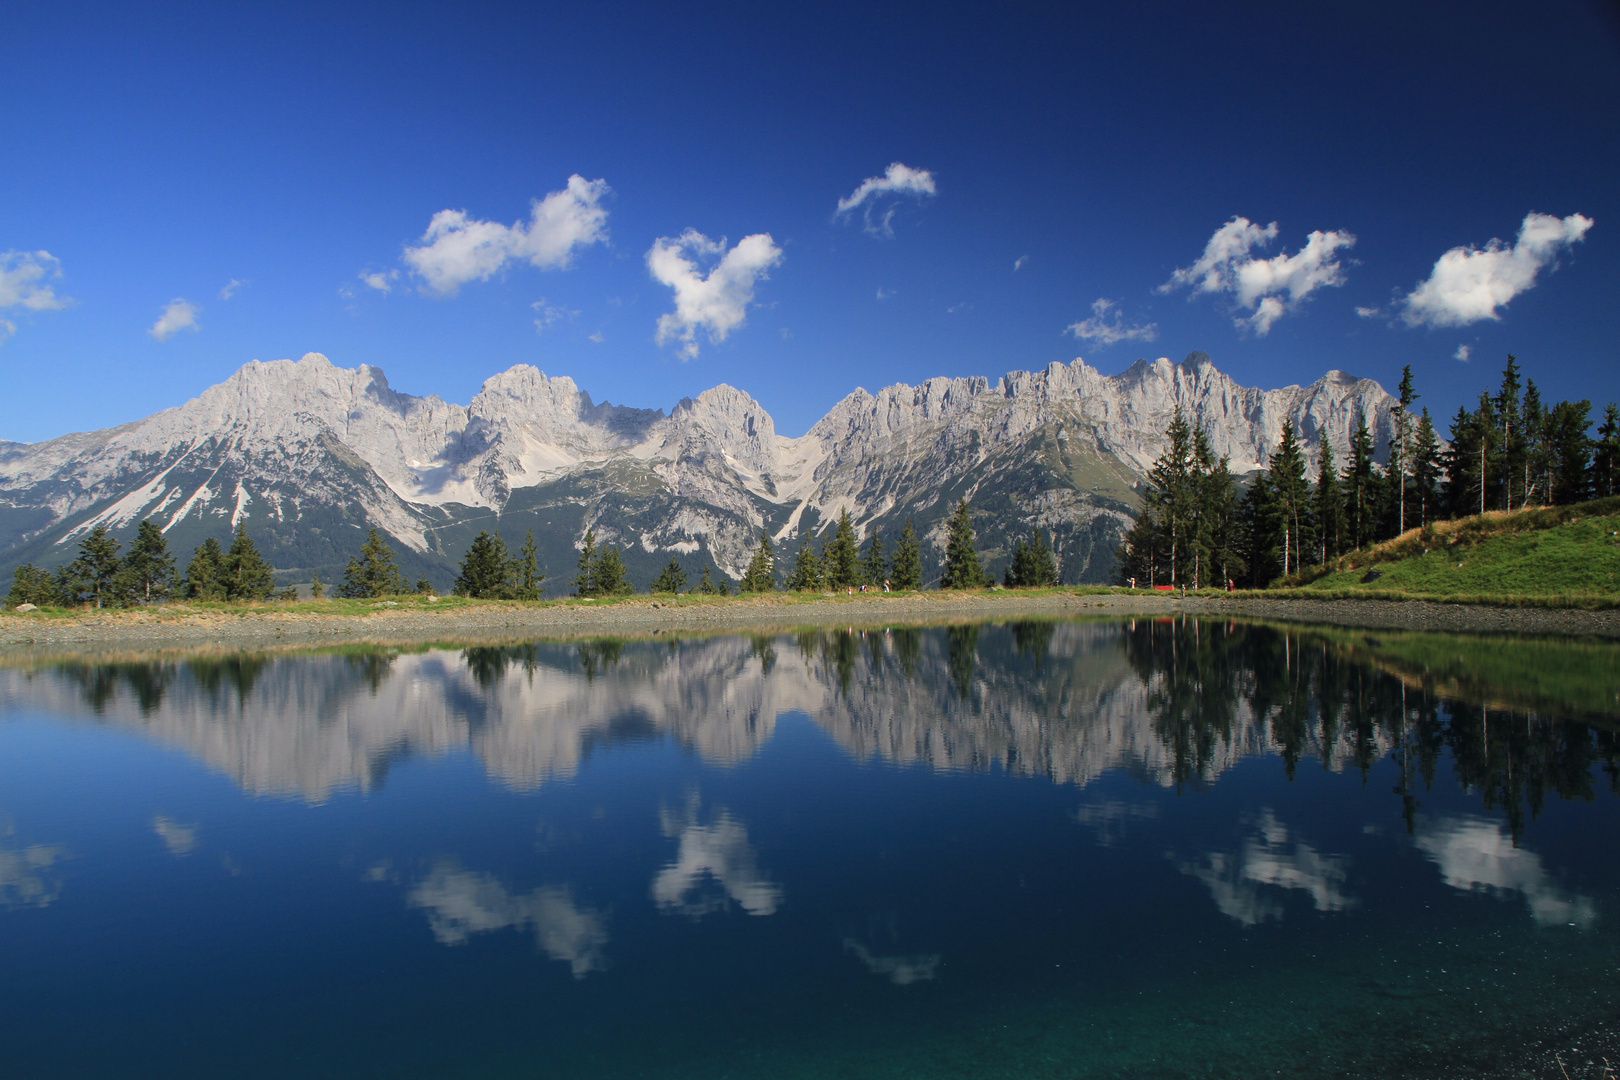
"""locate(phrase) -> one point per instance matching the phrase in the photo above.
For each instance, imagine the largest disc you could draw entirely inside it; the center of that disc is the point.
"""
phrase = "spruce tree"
(806, 575)
(671, 579)
(962, 569)
(874, 567)
(905, 571)
(761, 573)
(609, 577)
(706, 584)
(205, 572)
(31, 585)
(316, 589)
(424, 587)
(1360, 497)
(1427, 468)
(1172, 495)
(1289, 496)
(1510, 441)
(585, 575)
(485, 572)
(1329, 507)
(374, 573)
(149, 566)
(1569, 449)
(527, 578)
(1139, 554)
(98, 569)
(841, 558)
(245, 573)
(1032, 565)
(1400, 449)
(1606, 455)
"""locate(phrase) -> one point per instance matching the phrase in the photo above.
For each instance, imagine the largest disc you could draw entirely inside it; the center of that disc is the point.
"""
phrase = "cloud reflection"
(25, 873)
(1109, 818)
(181, 840)
(1243, 883)
(461, 903)
(900, 970)
(1474, 853)
(714, 866)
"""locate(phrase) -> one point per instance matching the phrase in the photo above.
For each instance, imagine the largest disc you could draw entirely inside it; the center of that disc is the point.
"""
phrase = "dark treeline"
(1200, 527)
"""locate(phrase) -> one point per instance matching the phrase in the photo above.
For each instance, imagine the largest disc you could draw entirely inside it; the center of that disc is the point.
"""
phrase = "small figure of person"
(885, 584)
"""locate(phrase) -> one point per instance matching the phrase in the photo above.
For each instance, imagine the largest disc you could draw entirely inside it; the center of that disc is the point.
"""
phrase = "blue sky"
(1054, 157)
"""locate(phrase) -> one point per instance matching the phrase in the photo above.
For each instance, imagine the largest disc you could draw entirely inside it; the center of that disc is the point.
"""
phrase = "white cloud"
(1107, 331)
(181, 840)
(461, 903)
(23, 277)
(1470, 284)
(1018, 263)
(897, 179)
(179, 315)
(884, 294)
(232, 287)
(7, 328)
(546, 314)
(1269, 288)
(716, 302)
(1475, 854)
(1462, 353)
(381, 280)
(1238, 882)
(714, 867)
(598, 337)
(457, 249)
(1368, 312)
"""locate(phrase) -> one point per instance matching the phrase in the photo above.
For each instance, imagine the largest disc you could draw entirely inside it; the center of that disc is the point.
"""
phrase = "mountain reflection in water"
(1174, 702)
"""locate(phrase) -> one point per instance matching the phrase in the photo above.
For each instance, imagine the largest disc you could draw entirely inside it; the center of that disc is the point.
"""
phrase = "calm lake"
(1068, 849)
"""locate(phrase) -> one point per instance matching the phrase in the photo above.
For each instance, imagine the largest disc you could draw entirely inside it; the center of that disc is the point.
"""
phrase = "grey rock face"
(309, 451)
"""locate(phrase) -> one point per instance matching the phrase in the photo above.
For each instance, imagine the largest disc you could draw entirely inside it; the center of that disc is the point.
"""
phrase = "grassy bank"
(1547, 556)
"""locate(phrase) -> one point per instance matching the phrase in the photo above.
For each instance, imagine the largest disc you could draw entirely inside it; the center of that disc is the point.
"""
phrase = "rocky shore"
(178, 627)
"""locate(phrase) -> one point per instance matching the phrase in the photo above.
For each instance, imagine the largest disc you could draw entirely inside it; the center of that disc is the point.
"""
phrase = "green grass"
(1564, 556)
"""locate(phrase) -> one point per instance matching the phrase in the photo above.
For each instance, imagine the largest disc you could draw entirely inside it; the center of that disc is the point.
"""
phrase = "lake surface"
(1144, 849)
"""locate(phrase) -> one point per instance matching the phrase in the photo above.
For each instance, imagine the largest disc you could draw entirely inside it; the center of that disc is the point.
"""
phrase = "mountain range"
(309, 455)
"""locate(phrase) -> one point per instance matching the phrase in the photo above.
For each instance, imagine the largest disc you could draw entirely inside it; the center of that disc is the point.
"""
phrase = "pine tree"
(245, 573)
(1140, 553)
(1360, 498)
(424, 587)
(585, 576)
(1329, 507)
(761, 573)
(98, 569)
(806, 575)
(1427, 469)
(962, 569)
(842, 559)
(31, 585)
(205, 572)
(1400, 450)
(1290, 493)
(527, 578)
(609, 576)
(1219, 514)
(724, 588)
(1606, 455)
(1172, 497)
(316, 589)
(874, 567)
(485, 572)
(1510, 445)
(905, 572)
(1536, 422)
(1569, 449)
(706, 584)
(149, 567)
(374, 573)
(1032, 565)
(671, 579)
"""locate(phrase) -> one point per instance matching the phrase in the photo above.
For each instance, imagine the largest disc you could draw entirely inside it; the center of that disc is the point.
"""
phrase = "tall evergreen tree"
(149, 565)
(1427, 469)
(874, 567)
(1290, 494)
(1220, 522)
(316, 589)
(1536, 422)
(1470, 459)
(1400, 448)
(1360, 493)
(98, 570)
(1510, 437)
(841, 559)
(1032, 565)
(1606, 454)
(1172, 498)
(527, 577)
(905, 572)
(1329, 507)
(609, 576)
(205, 573)
(706, 583)
(806, 575)
(585, 576)
(1140, 555)
(761, 573)
(485, 572)
(246, 574)
(1569, 449)
(374, 573)
(962, 569)
(671, 579)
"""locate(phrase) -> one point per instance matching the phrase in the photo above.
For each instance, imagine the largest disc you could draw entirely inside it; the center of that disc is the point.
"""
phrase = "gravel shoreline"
(169, 628)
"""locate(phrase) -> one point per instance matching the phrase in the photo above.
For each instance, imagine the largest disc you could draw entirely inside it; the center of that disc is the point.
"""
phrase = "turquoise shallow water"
(1068, 850)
